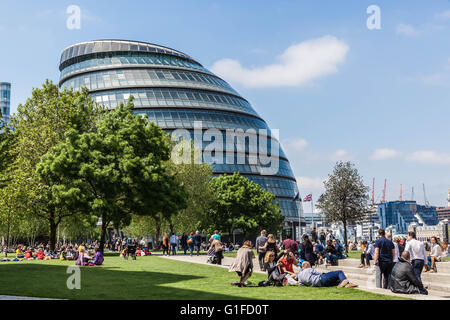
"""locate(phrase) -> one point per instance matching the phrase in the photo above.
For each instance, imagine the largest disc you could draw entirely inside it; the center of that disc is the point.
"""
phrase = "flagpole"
(312, 213)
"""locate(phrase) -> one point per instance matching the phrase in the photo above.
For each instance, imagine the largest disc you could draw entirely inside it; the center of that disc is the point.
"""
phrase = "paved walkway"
(23, 298)
(226, 262)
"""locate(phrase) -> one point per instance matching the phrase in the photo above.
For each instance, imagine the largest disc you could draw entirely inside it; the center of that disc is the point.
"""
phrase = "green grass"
(151, 277)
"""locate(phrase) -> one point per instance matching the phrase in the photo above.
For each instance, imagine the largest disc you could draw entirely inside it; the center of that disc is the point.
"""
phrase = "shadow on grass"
(49, 281)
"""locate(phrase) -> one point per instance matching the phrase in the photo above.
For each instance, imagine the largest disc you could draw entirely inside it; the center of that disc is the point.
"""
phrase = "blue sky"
(380, 98)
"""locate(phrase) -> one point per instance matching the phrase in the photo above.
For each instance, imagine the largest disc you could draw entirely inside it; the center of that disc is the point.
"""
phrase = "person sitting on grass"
(63, 254)
(287, 264)
(243, 264)
(83, 258)
(331, 253)
(310, 277)
(273, 269)
(29, 254)
(19, 252)
(40, 255)
(403, 278)
(98, 258)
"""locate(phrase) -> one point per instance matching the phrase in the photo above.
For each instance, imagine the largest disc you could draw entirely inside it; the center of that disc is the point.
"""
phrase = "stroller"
(214, 257)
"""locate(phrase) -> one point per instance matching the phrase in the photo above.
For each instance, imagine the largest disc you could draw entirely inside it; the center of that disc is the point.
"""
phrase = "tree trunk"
(53, 230)
(7, 238)
(156, 243)
(103, 234)
(345, 236)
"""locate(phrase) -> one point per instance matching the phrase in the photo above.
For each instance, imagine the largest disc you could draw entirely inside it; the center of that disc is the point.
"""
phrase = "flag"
(297, 196)
(308, 198)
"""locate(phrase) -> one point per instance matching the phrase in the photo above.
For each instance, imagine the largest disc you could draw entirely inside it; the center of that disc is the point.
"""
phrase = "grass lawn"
(151, 277)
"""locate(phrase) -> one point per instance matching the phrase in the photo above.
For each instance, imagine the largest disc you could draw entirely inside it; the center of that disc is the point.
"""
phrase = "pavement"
(438, 283)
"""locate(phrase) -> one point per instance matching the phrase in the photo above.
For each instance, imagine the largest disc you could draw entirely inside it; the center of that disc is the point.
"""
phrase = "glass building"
(401, 214)
(177, 92)
(5, 97)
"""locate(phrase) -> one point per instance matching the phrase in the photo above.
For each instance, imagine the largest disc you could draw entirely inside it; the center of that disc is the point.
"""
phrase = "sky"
(335, 87)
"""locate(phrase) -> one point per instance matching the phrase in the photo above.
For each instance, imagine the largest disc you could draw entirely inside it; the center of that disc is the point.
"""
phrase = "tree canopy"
(345, 198)
(239, 203)
(116, 170)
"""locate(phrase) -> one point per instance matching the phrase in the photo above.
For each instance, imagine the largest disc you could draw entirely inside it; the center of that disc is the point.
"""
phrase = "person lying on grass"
(312, 278)
(243, 264)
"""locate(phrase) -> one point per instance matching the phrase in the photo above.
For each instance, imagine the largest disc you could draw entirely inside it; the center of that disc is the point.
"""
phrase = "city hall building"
(5, 97)
(177, 92)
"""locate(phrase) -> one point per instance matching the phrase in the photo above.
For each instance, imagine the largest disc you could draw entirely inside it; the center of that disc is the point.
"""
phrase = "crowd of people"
(82, 254)
(280, 260)
(399, 262)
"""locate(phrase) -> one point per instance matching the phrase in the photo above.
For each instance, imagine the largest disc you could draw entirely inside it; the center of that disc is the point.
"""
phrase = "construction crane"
(383, 200)
(373, 191)
(427, 204)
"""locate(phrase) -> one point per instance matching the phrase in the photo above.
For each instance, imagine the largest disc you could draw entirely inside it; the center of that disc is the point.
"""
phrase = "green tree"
(345, 198)
(239, 203)
(40, 124)
(195, 177)
(116, 170)
(6, 154)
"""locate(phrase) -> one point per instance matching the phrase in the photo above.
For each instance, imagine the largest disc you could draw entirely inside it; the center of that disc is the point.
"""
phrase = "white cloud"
(429, 157)
(297, 144)
(297, 65)
(443, 15)
(341, 155)
(308, 184)
(384, 154)
(406, 30)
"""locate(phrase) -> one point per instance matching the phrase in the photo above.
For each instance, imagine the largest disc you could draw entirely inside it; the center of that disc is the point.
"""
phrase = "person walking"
(417, 252)
(197, 242)
(261, 249)
(384, 259)
(190, 243)
(183, 242)
(174, 243)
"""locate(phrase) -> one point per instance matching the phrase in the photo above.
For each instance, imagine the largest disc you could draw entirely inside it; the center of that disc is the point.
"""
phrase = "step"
(441, 266)
(440, 277)
(369, 278)
(432, 294)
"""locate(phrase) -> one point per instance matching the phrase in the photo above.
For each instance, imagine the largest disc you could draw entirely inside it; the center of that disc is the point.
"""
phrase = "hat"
(192, 233)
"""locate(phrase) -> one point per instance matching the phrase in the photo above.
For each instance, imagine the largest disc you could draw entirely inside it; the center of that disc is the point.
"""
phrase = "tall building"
(443, 213)
(400, 214)
(177, 92)
(5, 97)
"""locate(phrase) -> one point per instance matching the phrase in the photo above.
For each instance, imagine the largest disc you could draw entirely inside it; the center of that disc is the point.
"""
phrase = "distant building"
(443, 213)
(5, 98)
(424, 233)
(400, 214)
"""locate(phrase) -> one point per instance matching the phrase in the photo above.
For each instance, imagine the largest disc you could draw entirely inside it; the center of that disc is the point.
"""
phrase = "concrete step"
(442, 285)
(432, 294)
(440, 277)
(441, 266)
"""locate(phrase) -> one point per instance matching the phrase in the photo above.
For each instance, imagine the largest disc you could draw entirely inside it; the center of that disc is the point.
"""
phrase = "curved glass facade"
(5, 98)
(177, 93)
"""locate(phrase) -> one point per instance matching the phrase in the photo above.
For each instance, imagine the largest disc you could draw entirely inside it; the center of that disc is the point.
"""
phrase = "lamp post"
(444, 224)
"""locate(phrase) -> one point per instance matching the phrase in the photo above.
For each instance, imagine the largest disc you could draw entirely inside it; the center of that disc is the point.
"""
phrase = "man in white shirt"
(417, 252)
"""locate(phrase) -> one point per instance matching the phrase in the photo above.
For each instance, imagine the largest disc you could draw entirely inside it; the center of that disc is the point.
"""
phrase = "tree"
(116, 170)
(6, 155)
(345, 198)
(239, 203)
(40, 124)
(195, 177)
